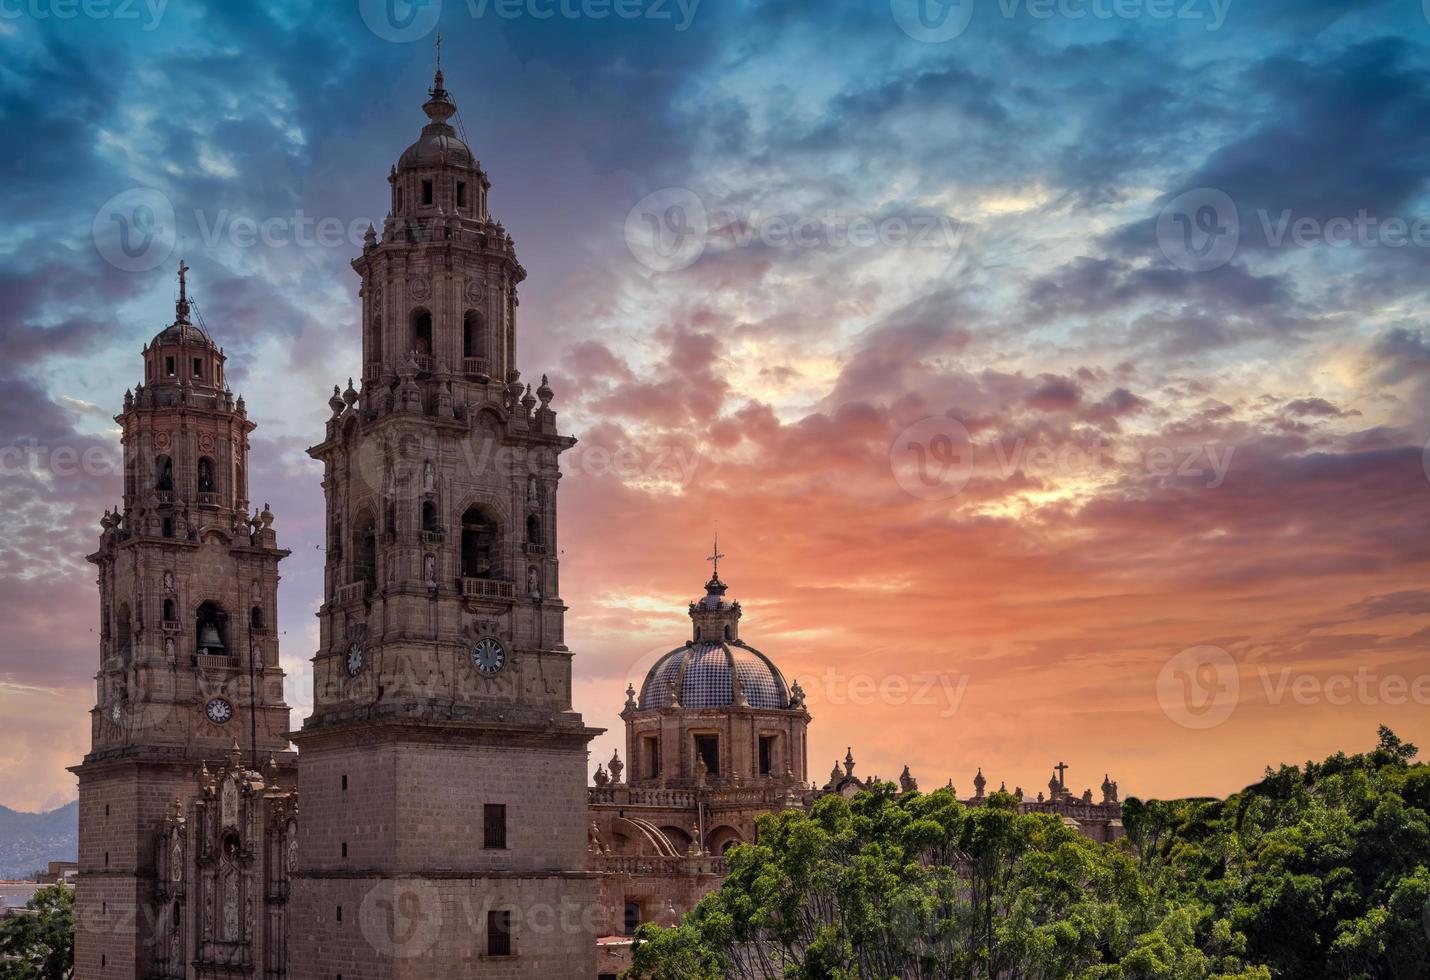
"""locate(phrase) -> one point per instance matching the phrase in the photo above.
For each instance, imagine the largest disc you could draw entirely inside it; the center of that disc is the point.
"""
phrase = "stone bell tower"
(443, 770)
(188, 673)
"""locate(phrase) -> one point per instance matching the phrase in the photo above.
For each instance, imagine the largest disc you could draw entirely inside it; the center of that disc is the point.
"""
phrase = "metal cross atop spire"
(715, 557)
(1062, 768)
(438, 46)
(182, 306)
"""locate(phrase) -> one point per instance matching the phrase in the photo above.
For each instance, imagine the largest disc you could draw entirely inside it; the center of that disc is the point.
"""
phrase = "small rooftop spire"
(181, 308)
(715, 557)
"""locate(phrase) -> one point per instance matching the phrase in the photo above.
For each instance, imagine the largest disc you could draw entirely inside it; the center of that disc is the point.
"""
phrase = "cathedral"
(435, 820)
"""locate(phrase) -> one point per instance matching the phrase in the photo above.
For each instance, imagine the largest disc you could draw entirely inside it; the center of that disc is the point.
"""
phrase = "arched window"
(364, 549)
(206, 475)
(474, 335)
(164, 474)
(211, 629)
(533, 530)
(422, 333)
(429, 516)
(171, 611)
(479, 545)
(124, 634)
(255, 618)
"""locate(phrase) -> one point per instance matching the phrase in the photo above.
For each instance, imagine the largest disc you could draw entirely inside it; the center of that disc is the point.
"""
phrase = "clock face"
(218, 711)
(488, 656)
(354, 659)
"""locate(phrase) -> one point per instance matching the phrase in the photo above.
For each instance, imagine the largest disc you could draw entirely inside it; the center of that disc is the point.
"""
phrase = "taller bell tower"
(188, 649)
(443, 770)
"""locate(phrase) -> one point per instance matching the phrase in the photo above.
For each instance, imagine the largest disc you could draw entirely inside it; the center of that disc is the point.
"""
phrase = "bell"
(209, 639)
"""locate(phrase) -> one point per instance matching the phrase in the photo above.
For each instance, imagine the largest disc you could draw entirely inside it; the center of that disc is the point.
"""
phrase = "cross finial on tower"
(438, 45)
(1062, 768)
(715, 557)
(181, 308)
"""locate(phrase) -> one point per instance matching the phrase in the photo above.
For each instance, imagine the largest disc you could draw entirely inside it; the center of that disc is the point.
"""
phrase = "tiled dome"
(705, 674)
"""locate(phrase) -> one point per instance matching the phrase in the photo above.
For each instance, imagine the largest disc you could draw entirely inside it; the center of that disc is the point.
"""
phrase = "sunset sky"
(1136, 449)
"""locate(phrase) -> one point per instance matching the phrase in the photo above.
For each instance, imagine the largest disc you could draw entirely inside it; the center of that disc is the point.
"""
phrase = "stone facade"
(443, 765)
(447, 829)
(188, 585)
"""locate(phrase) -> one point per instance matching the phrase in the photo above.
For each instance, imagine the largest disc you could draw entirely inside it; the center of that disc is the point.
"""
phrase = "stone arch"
(679, 838)
(430, 519)
(421, 321)
(720, 839)
(481, 541)
(124, 634)
(210, 621)
(163, 474)
(474, 335)
(364, 539)
(204, 479)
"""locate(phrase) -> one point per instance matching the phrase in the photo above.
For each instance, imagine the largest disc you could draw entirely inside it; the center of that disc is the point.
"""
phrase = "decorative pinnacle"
(181, 308)
(714, 559)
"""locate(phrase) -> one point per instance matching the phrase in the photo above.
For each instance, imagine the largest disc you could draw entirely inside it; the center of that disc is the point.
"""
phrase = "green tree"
(39, 943)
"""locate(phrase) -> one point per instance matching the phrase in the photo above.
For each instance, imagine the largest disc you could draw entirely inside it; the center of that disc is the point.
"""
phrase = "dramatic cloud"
(984, 451)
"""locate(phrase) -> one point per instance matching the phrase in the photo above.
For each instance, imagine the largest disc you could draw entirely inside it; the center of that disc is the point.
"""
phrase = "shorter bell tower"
(188, 645)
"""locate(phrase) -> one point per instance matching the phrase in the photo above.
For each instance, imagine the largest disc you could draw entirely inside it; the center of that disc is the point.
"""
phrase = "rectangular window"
(651, 744)
(198, 367)
(345, 782)
(461, 194)
(708, 748)
(399, 200)
(427, 192)
(499, 933)
(345, 848)
(494, 826)
(168, 367)
(767, 753)
(632, 919)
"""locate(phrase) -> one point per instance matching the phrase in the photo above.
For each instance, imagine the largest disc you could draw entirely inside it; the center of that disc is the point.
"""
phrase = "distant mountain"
(30, 841)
